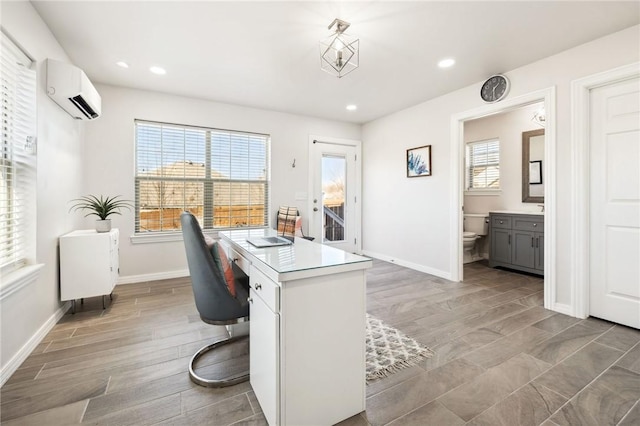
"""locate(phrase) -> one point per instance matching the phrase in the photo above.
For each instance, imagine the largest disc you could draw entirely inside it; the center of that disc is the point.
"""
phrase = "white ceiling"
(266, 54)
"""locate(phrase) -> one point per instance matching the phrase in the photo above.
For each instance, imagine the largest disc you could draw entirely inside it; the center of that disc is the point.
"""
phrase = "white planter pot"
(103, 225)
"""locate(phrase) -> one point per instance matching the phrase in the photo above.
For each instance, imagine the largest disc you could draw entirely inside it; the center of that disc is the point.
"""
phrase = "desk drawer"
(501, 222)
(265, 288)
(528, 224)
(242, 262)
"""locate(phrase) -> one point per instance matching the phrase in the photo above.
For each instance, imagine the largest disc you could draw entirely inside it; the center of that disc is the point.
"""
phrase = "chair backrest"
(213, 299)
(289, 222)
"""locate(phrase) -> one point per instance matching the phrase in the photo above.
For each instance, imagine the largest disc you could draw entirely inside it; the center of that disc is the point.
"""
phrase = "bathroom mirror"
(533, 166)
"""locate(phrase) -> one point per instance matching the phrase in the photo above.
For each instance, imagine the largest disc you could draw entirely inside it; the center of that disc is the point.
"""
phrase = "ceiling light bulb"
(122, 64)
(158, 70)
(446, 63)
(352, 107)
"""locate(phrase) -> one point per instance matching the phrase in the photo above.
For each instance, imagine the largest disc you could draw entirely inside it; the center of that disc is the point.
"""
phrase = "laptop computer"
(269, 241)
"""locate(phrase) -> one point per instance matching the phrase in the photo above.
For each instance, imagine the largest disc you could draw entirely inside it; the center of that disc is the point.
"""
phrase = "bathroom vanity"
(517, 241)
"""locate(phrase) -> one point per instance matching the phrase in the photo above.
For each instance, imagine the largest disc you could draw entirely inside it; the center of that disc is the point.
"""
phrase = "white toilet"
(476, 227)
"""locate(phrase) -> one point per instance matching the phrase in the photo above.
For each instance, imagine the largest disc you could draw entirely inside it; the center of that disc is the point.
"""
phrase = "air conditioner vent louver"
(84, 107)
(70, 88)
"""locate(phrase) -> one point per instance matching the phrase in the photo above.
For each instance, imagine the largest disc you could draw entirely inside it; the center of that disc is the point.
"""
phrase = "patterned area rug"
(390, 350)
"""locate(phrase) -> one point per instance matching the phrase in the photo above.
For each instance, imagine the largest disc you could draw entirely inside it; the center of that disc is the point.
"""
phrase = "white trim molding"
(410, 265)
(580, 148)
(10, 367)
(134, 279)
(19, 279)
(548, 96)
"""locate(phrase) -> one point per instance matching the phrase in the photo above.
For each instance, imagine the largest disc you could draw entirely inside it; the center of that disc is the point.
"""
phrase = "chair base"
(211, 383)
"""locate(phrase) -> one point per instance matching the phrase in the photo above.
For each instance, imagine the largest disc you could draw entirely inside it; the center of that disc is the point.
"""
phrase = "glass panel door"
(334, 174)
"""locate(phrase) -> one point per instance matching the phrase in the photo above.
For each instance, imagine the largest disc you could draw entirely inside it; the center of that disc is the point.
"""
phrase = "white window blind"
(17, 165)
(221, 177)
(483, 165)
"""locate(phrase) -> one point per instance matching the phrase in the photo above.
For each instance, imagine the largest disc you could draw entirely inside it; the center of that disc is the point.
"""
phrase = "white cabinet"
(88, 264)
(307, 328)
(264, 334)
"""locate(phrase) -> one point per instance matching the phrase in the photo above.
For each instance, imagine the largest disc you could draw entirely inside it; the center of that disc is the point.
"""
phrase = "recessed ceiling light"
(446, 63)
(158, 70)
(352, 107)
(122, 64)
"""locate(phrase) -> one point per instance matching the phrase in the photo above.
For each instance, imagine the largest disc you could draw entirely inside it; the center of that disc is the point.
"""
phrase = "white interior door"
(335, 192)
(614, 210)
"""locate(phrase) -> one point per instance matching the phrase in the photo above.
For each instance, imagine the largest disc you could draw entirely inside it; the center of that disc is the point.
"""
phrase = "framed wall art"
(419, 161)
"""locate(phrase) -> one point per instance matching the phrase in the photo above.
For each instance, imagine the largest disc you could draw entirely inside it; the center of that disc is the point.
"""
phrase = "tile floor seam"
(627, 413)
(517, 389)
(106, 389)
(45, 349)
(84, 410)
(422, 406)
(588, 384)
(40, 371)
(613, 347)
(572, 353)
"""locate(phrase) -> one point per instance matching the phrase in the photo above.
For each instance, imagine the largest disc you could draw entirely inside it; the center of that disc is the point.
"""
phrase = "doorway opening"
(335, 187)
(460, 176)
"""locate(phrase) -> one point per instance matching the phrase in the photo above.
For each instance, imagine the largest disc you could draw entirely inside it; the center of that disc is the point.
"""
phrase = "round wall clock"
(495, 88)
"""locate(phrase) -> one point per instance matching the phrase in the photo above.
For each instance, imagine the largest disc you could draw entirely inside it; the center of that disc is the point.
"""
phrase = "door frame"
(548, 96)
(357, 144)
(580, 148)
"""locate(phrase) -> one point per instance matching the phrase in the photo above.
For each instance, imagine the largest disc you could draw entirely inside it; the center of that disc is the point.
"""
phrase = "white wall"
(110, 164)
(408, 220)
(59, 180)
(507, 128)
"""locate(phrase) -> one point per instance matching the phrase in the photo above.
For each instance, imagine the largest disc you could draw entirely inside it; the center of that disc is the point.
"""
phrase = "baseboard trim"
(17, 360)
(563, 308)
(134, 279)
(410, 265)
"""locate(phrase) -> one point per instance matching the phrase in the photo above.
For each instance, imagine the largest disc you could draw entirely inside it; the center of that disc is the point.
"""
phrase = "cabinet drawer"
(265, 288)
(528, 224)
(501, 222)
(242, 262)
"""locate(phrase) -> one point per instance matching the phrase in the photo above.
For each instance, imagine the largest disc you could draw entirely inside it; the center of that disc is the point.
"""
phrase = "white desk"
(307, 328)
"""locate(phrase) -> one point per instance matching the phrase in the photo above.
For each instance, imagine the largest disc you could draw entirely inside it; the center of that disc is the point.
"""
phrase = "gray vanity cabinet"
(517, 242)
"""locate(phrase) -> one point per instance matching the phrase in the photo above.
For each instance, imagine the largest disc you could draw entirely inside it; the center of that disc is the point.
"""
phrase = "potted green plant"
(102, 207)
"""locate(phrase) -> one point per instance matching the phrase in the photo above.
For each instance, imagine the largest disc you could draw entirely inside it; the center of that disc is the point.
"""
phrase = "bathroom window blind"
(220, 176)
(17, 163)
(483, 165)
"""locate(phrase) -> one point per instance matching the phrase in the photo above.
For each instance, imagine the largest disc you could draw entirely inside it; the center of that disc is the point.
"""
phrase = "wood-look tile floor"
(501, 359)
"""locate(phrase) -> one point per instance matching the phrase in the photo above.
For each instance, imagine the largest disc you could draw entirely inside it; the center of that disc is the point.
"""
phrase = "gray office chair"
(215, 303)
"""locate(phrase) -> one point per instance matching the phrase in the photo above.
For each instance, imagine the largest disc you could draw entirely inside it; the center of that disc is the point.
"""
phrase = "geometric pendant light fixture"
(339, 53)
(540, 117)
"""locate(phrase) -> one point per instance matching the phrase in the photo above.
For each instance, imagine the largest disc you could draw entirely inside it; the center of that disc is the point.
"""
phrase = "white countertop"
(517, 212)
(302, 255)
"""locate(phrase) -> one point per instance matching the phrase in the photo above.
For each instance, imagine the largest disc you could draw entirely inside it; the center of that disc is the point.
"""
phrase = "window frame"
(208, 182)
(467, 170)
(18, 160)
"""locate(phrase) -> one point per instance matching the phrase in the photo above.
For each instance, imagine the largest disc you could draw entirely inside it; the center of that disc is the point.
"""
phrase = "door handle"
(532, 243)
(315, 209)
(258, 286)
(509, 241)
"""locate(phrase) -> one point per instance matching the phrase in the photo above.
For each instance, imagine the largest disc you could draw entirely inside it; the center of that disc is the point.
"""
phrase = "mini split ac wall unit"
(70, 88)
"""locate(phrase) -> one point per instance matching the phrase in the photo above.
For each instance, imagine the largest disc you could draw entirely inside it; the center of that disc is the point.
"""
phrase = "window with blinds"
(220, 176)
(17, 163)
(483, 165)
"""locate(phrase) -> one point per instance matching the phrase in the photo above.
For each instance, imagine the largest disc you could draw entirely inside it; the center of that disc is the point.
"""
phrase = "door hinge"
(355, 157)
(355, 241)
